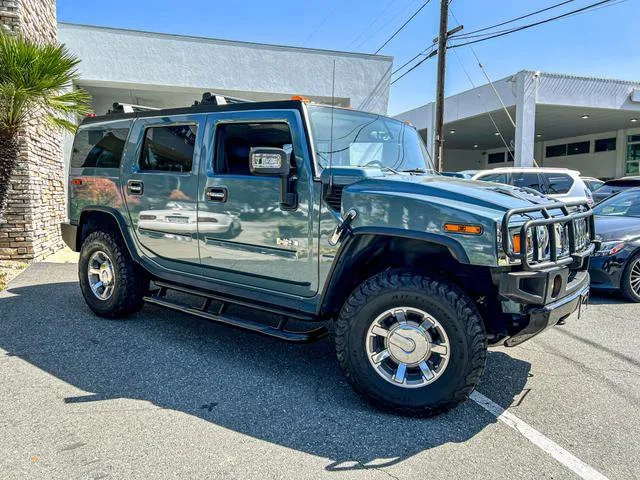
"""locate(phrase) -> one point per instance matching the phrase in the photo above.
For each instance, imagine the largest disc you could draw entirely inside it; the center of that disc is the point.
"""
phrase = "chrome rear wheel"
(101, 275)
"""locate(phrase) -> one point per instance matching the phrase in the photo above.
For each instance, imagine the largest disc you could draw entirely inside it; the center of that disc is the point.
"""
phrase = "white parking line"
(552, 448)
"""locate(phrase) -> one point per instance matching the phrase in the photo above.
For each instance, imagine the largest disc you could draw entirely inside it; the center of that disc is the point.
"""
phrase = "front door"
(161, 187)
(246, 236)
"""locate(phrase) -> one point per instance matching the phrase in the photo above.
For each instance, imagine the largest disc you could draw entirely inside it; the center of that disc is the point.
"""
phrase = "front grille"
(334, 198)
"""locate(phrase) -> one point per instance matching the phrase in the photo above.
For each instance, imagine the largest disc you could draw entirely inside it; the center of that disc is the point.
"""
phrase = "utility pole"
(443, 36)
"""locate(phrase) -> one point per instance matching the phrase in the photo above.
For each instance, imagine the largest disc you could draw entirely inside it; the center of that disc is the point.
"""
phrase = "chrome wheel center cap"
(106, 275)
(409, 344)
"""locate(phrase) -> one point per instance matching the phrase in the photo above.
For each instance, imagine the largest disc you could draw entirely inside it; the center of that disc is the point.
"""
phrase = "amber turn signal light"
(468, 229)
(516, 243)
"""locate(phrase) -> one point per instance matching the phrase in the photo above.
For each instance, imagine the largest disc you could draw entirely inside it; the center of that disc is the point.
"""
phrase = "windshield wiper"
(414, 170)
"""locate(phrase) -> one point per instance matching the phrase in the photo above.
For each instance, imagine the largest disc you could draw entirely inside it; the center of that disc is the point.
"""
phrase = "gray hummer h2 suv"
(297, 220)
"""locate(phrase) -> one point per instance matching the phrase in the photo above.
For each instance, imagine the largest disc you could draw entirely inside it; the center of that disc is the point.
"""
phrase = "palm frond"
(32, 77)
(62, 123)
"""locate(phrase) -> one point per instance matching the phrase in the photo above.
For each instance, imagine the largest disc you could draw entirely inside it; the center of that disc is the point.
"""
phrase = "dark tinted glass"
(528, 180)
(622, 182)
(101, 148)
(623, 204)
(633, 138)
(578, 148)
(168, 149)
(558, 183)
(495, 177)
(605, 145)
(235, 140)
(555, 151)
(495, 157)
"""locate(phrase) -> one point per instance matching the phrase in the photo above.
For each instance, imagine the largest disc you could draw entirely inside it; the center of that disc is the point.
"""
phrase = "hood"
(451, 190)
(610, 228)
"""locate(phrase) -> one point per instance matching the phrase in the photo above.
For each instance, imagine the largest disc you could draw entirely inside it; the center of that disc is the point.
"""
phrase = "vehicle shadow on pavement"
(290, 395)
(606, 298)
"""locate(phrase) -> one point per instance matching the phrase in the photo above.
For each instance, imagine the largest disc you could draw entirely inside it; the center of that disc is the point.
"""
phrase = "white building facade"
(587, 124)
(163, 70)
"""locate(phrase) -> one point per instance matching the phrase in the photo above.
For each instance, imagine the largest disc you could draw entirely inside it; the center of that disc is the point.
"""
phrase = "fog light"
(557, 285)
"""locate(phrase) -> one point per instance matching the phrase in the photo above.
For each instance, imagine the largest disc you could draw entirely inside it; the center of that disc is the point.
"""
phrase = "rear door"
(246, 236)
(161, 187)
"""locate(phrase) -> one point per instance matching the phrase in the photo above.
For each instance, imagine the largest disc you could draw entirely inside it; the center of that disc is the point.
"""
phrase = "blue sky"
(603, 43)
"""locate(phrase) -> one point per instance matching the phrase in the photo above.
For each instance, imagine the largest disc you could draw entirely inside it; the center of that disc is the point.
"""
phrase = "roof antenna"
(333, 98)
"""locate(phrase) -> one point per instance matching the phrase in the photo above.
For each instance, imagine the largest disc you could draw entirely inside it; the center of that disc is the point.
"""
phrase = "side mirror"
(268, 161)
(274, 162)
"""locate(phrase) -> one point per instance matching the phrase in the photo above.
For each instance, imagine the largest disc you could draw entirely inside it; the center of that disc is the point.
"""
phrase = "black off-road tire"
(448, 305)
(625, 283)
(131, 282)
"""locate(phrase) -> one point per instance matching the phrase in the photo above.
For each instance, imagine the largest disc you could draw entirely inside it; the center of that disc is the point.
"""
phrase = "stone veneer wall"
(29, 226)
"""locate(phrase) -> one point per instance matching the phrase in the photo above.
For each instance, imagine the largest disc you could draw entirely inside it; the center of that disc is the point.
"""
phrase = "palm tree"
(35, 81)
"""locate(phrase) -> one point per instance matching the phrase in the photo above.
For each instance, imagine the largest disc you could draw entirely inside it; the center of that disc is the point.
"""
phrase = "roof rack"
(129, 108)
(209, 98)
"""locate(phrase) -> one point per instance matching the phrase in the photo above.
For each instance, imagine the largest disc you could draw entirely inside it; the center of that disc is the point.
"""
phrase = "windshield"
(625, 204)
(365, 140)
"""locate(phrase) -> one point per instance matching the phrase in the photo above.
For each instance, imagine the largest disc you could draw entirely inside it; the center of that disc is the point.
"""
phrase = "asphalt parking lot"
(163, 395)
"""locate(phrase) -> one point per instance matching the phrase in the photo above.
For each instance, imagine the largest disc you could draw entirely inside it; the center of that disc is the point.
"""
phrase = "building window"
(510, 156)
(168, 149)
(495, 157)
(578, 148)
(555, 151)
(605, 145)
(633, 155)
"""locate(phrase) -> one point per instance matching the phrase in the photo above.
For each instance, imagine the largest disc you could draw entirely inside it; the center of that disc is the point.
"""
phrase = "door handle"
(217, 194)
(135, 187)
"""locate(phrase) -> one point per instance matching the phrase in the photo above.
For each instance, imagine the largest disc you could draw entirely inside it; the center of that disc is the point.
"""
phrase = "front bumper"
(549, 315)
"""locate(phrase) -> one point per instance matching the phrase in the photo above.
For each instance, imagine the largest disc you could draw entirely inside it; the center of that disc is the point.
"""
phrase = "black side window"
(495, 157)
(558, 183)
(555, 151)
(98, 147)
(234, 141)
(168, 149)
(528, 180)
(605, 145)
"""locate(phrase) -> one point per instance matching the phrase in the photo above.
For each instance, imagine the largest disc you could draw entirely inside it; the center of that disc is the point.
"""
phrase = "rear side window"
(558, 183)
(494, 177)
(527, 180)
(98, 147)
(168, 149)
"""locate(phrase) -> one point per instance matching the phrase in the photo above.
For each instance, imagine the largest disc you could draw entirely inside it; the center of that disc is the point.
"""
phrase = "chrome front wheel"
(408, 347)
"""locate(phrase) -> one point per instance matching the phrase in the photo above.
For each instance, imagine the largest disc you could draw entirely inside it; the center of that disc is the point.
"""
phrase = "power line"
(486, 75)
(430, 55)
(515, 19)
(424, 52)
(402, 26)
(373, 22)
(531, 25)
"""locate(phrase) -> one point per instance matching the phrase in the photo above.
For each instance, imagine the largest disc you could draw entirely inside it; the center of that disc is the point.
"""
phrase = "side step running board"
(280, 331)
